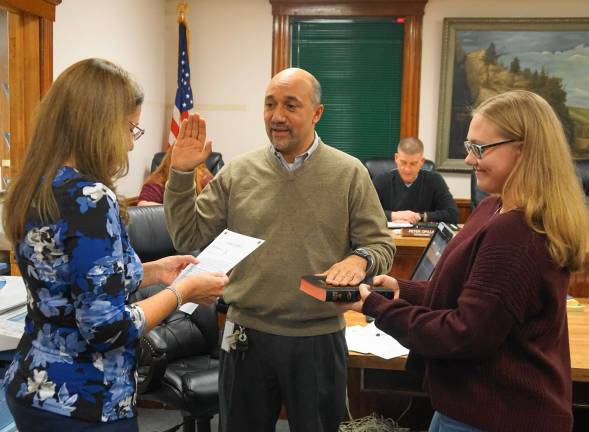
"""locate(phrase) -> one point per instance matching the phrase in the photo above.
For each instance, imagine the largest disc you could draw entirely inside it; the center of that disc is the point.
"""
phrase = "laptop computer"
(432, 253)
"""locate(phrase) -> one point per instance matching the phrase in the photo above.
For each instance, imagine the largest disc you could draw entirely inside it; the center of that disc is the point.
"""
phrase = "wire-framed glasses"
(136, 131)
(478, 149)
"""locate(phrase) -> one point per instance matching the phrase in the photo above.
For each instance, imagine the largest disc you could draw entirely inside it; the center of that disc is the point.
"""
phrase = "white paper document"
(370, 340)
(224, 253)
(397, 225)
(12, 327)
(12, 292)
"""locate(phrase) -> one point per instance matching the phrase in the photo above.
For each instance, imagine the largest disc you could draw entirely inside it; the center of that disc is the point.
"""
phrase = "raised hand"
(190, 148)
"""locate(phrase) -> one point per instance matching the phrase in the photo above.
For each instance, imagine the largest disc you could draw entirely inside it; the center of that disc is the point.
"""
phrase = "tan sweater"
(310, 219)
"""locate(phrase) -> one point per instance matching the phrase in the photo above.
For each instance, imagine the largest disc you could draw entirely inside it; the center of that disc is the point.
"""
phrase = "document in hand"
(224, 253)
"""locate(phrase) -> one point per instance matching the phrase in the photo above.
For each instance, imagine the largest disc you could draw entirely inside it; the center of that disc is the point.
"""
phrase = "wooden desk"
(383, 386)
(409, 249)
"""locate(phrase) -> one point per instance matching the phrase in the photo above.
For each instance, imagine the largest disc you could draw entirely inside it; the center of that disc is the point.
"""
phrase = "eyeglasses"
(136, 131)
(478, 149)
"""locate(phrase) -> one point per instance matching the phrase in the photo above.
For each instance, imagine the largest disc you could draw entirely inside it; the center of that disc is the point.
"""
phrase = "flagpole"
(182, 9)
(183, 102)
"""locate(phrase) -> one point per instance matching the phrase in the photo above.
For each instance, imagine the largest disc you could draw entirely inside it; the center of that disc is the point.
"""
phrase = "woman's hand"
(384, 281)
(165, 270)
(202, 288)
(190, 148)
(356, 306)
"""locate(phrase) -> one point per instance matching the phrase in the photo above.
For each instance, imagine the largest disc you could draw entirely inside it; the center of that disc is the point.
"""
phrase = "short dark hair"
(410, 145)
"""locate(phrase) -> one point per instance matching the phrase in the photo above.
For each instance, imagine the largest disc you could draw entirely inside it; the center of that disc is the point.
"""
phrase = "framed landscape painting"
(482, 57)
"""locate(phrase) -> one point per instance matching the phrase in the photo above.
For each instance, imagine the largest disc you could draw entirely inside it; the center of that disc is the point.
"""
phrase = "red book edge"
(313, 290)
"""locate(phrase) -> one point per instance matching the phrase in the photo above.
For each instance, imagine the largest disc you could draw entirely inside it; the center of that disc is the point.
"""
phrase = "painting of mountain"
(548, 57)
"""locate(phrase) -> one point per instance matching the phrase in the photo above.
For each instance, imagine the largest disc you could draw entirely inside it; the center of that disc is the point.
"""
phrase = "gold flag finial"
(182, 9)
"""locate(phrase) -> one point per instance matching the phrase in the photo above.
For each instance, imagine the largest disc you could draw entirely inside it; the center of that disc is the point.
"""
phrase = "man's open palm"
(190, 148)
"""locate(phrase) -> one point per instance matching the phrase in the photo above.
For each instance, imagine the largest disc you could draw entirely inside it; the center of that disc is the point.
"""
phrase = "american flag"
(184, 102)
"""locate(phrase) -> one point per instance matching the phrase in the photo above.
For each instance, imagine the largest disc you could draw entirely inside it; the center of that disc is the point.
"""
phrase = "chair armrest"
(152, 361)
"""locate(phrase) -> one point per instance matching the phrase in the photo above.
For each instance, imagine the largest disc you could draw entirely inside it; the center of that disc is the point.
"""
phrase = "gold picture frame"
(486, 56)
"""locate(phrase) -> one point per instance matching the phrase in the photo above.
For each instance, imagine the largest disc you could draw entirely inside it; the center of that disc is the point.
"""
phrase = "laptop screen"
(432, 253)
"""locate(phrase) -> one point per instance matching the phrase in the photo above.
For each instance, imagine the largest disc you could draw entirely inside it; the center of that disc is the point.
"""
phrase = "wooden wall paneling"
(579, 283)
(411, 77)
(17, 92)
(32, 77)
(46, 55)
(334, 8)
(464, 209)
(280, 43)
(39, 8)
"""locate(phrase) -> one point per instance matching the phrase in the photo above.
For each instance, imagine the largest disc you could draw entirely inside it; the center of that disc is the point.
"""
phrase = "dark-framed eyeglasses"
(136, 131)
(478, 149)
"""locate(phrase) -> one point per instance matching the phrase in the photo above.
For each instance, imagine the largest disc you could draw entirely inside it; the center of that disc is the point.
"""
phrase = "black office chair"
(214, 162)
(178, 359)
(582, 170)
(378, 166)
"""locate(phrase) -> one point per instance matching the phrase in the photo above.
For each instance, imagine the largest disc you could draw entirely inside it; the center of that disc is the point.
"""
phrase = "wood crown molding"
(359, 8)
(411, 10)
(41, 8)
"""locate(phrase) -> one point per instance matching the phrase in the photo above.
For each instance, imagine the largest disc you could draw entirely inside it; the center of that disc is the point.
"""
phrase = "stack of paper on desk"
(12, 326)
(13, 292)
(370, 340)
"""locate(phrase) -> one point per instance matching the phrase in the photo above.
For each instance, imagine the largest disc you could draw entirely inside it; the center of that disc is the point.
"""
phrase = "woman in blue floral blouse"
(75, 366)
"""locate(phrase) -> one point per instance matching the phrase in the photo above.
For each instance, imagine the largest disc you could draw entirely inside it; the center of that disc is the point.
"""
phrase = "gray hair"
(410, 145)
(316, 91)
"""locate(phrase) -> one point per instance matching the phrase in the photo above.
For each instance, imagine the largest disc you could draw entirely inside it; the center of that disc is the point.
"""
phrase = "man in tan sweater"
(317, 210)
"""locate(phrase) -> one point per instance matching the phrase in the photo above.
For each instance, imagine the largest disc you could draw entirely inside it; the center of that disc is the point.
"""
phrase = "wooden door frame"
(283, 11)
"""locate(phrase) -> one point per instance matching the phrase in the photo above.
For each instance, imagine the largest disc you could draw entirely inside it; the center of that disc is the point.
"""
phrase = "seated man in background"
(410, 194)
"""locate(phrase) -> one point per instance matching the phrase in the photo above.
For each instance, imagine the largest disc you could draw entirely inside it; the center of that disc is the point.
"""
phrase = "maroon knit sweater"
(492, 327)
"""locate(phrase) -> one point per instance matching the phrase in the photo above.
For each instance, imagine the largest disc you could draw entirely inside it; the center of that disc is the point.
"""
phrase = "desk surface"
(578, 339)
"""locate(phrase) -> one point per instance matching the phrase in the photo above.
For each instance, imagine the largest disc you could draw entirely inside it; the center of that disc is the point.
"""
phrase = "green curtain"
(359, 64)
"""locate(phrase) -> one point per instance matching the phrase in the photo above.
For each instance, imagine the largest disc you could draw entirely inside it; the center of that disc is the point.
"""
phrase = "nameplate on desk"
(417, 232)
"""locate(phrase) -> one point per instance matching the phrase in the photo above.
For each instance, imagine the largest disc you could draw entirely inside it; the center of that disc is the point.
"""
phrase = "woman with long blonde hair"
(491, 324)
(74, 368)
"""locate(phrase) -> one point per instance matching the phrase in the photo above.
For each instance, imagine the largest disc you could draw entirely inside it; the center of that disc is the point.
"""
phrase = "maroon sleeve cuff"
(375, 304)
(412, 292)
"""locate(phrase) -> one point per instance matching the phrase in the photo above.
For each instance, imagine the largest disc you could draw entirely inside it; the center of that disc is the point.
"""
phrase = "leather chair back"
(378, 166)
(178, 359)
(148, 233)
(214, 162)
(582, 169)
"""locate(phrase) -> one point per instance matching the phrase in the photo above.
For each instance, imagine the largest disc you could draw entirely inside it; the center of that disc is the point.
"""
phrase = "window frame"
(411, 10)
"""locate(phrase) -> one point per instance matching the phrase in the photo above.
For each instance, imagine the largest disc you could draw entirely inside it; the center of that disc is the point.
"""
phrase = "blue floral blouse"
(77, 356)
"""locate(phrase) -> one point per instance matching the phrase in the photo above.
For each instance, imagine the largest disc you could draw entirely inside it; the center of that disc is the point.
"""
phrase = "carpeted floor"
(159, 420)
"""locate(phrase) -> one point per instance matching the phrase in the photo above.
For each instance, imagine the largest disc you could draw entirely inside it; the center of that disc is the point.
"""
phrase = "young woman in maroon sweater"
(490, 327)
